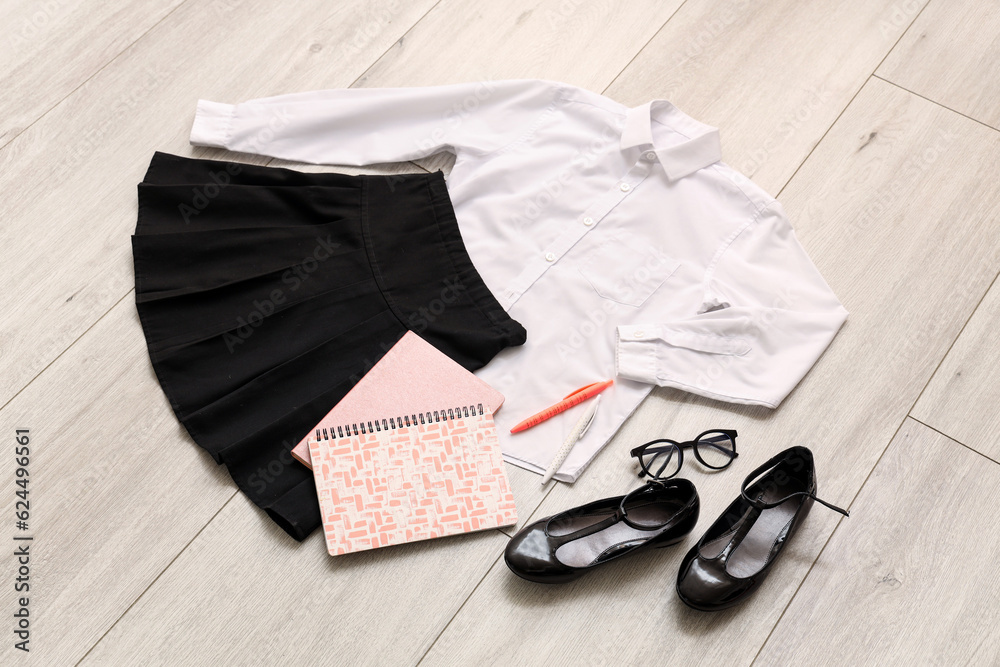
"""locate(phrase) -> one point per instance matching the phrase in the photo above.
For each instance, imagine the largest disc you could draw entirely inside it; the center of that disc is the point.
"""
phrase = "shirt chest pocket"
(626, 269)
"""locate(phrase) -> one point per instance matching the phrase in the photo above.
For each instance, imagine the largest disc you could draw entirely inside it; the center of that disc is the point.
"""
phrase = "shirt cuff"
(635, 354)
(212, 121)
(658, 355)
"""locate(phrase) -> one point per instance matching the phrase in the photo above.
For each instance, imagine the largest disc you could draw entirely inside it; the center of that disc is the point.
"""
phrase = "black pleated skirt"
(265, 294)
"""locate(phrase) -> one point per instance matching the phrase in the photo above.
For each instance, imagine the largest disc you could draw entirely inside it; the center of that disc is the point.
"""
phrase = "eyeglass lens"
(715, 449)
(661, 460)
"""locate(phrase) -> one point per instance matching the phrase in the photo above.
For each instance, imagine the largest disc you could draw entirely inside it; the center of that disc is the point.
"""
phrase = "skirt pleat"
(264, 298)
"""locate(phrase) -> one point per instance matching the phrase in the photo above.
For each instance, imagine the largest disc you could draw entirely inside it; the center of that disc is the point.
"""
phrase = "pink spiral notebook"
(415, 477)
(412, 376)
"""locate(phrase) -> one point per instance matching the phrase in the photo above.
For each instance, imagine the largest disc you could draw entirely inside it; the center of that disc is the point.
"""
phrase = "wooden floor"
(875, 122)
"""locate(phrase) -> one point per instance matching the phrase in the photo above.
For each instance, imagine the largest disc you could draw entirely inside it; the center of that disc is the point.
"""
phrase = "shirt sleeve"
(768, 316)
(359, 126)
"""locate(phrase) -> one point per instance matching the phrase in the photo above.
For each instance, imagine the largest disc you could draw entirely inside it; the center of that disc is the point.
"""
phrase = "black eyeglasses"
(662, 459)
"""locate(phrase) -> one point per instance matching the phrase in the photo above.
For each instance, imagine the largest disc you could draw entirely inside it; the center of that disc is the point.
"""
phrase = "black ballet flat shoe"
(567, 545)
(735, 555)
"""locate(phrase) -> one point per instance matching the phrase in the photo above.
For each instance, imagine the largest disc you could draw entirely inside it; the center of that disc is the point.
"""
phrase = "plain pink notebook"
(412, 377)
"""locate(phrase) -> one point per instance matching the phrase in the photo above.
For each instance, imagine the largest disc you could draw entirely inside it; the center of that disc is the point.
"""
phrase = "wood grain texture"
(263, 599)
(904, 580)
(586, 44)
(583, 43)
(67, 183)
(892, 206)
(906, 307)
(951, 54)
(51, 47)
(117, 488)
(962, 398)
(773, 76)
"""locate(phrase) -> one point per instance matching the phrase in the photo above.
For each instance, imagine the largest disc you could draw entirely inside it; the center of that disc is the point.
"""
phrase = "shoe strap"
(740, 530)
(651, 485)
(559, 540)
(619, 515)
(767, 466)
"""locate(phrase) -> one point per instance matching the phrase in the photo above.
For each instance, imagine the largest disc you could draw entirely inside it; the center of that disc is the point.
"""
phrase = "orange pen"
(571, 399)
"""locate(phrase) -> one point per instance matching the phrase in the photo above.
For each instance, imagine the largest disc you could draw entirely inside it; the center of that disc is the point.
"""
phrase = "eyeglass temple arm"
(644, 449)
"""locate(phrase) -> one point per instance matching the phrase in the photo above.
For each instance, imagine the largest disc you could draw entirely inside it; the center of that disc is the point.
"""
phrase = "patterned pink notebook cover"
(418, 375)
(412, 483)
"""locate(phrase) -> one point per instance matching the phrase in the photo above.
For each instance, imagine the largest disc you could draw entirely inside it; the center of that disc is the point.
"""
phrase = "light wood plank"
(583, 43)
(951, 54)
(117, 488)
(51, 47)
(67, 184)
(909, 578)
(244, 593)
(896, 241)
(773, 76)
(962, 398)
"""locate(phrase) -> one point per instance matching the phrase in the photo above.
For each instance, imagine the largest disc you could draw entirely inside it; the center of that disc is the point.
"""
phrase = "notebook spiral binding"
(393, 423)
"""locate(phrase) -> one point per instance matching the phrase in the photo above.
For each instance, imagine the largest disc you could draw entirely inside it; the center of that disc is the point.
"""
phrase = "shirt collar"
(700, 147)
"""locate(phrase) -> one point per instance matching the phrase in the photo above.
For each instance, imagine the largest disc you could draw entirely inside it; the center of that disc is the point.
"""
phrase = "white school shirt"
(614, 235)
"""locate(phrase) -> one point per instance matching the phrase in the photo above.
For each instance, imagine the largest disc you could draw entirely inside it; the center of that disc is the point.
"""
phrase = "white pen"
(581, 427)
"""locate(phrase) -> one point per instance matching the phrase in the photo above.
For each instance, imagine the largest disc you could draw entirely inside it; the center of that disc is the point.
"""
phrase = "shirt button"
(625, 187)
(588, 221)
(650, 155)
(638, 333)
(550, 257)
